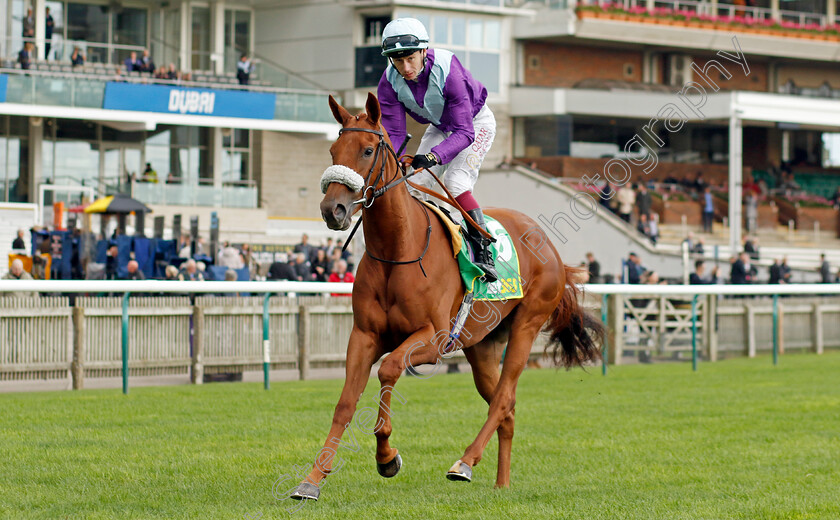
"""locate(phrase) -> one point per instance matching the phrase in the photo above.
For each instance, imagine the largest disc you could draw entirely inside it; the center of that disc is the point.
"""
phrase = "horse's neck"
(394, 226)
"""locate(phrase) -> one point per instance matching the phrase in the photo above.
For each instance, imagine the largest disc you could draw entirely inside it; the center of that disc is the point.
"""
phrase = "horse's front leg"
(417, 350)
(362, 352)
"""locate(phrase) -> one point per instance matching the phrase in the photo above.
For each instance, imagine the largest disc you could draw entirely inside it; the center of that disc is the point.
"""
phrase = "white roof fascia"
(151, 119)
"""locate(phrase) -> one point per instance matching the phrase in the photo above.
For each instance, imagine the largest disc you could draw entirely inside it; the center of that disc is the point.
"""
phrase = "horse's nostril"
(339, 212)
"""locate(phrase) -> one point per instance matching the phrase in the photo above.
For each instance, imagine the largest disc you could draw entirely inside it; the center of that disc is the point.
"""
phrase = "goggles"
(403, 41)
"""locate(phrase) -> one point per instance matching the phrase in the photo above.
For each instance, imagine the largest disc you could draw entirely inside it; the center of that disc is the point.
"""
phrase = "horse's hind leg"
(484, 359)
(524, 329)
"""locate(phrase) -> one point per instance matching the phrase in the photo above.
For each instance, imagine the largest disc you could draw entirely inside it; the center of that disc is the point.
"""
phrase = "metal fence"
(51, 338)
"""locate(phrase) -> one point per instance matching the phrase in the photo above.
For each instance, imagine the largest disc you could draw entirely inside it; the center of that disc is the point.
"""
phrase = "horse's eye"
(368, 151)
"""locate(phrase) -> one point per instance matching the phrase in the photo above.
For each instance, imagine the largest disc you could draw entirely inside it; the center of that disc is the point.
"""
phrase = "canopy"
(118, 203)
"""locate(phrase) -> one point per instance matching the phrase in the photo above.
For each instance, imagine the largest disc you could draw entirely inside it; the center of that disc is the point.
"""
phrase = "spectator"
(172, 72)
(171, 272)
(146, 63)
(48, 32)
(634, 269)
(643, 201)
(335, 257)
(281, 270)
(708, 208)
(230, 275)
(149, 174)
(825, 270)
(302, 268)
(651, 278)
(775, 272)
(134, 272)
(743, 272)
(653, 228)
(320, 266)
(29, 24)
(698, 276)
(594, 268)
(190, 272)
(699, 183)
(607, 195)
(18, 242)
(25, 56)
(77, 59)
(230, 257)
(243, 69)
(111, 262)
(341, 275)
(642, 225)
(751, 204)
(132, 63)
(785, 270)
(304, 247)
(751, 247)
(16, 272)
(328, 249)
(626, 199)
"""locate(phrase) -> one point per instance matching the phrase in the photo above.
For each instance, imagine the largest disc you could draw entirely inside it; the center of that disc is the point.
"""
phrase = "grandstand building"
(665, 88)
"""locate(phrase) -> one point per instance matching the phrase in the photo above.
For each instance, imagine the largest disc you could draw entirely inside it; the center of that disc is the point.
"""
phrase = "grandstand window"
(70, 152)
(89, 23)
(201, 28)
(237, 154)
(181, 152)
(14, 158)
(476, 42)
(129, 29)
(237, 34)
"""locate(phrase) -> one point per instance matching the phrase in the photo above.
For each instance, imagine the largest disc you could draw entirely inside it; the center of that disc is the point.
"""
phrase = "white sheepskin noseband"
(343, 175)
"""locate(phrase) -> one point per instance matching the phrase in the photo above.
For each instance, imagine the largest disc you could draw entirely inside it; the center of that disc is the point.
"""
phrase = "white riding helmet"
(403, 37)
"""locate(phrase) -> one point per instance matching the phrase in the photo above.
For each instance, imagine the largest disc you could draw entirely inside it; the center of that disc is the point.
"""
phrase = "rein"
(367, 200)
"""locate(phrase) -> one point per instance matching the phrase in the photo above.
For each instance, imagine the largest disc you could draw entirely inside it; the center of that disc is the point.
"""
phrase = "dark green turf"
(738, 439)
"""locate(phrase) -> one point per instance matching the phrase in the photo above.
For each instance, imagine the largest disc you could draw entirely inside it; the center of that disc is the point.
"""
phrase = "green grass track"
(739, 439)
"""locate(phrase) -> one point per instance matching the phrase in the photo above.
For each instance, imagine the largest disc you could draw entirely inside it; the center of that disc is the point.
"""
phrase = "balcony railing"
(230, 195)
(750, 15)
(87, 91)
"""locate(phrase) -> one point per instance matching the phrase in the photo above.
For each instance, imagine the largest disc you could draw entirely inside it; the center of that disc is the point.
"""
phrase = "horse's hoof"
(460, 471)
(306, 491)
(390, 469)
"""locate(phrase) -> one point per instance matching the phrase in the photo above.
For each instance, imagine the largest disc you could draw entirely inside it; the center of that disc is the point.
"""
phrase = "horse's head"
(357, 158)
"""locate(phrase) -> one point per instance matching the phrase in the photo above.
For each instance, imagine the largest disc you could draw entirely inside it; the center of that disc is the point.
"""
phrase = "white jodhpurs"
(460, 174)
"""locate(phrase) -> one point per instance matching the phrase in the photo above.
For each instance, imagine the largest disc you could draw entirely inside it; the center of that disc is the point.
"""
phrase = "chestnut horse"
(408, 288)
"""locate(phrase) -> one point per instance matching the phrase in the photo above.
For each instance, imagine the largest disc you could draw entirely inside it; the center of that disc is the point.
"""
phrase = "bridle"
(370, 193)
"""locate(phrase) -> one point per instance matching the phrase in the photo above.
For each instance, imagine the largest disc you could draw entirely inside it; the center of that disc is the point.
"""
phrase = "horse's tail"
(575, 336)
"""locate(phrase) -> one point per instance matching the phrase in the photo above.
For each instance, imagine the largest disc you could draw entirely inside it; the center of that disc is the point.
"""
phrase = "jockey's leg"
(461, 176)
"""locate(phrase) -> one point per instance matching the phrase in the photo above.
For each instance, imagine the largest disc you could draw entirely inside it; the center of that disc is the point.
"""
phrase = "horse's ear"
(339, 112)
(372, 108)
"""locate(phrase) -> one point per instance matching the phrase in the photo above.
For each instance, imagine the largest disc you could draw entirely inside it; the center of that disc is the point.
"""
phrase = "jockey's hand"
(424, 161)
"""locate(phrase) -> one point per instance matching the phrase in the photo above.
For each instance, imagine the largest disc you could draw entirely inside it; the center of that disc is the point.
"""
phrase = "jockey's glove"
(424, 161)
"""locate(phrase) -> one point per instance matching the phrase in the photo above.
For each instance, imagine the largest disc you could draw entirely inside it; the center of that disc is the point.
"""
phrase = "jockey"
(435, 89)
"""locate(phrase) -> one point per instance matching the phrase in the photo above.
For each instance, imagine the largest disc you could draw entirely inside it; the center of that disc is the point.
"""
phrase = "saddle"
(508, 286)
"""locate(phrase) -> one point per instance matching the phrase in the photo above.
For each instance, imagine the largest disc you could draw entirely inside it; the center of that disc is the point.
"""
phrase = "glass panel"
(172, 36)
(242, 31)
(79, 163)
(134, 163)
(440, 29)
(493, 34)
(235, 166)
(459, 31)
(89, 23)
(241, 138)
(17, 15)
(158, 156)
(129, 29)
(485, 68)
(476, 34)
(113, 169)
(200, 46)
(56, 42)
